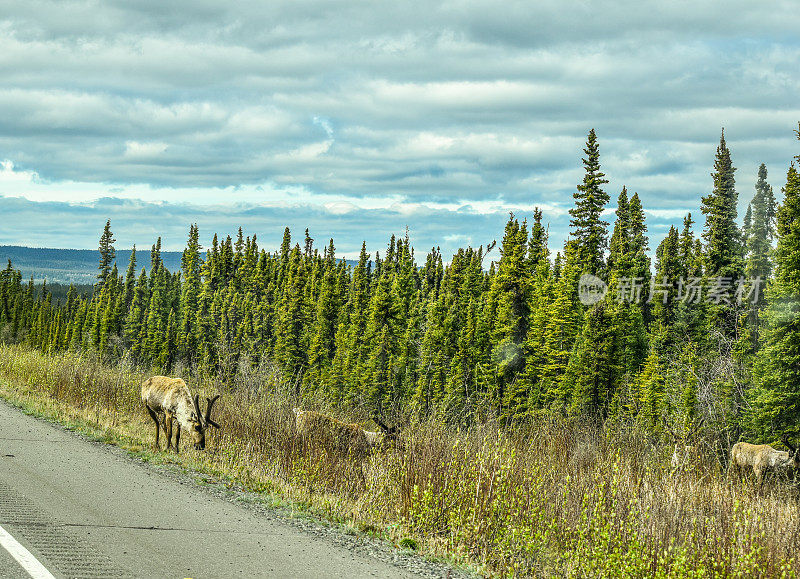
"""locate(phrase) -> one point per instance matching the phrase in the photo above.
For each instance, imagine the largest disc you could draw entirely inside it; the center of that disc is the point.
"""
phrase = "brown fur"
(168, 398)
(762, 458)
(332, 435)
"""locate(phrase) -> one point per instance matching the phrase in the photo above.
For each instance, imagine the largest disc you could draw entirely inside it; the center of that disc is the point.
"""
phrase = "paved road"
(85, 510)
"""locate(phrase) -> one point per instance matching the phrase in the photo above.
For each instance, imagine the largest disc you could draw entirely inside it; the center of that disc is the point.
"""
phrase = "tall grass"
(556, 498)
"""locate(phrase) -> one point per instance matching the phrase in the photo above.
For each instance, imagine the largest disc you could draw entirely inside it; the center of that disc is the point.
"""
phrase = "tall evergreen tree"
(509, 297)
(588, 231)
(758, 263)
(130, 280)
(724, 251)
(107, 253)
(188, 333)
(762, 230)
(776, 399)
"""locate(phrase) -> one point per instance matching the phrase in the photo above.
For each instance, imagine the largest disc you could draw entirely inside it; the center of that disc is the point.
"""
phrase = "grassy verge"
(558, 498)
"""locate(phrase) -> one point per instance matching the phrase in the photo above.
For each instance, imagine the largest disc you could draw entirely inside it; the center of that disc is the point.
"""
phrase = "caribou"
(169, 398)
(762, 458)
(335, 436)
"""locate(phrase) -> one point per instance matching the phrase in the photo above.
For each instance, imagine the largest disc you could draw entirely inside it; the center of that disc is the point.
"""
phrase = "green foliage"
(107, 253)
(589, 231)
(776, 400)
(759, 237)
(724, 249)
(467, 340)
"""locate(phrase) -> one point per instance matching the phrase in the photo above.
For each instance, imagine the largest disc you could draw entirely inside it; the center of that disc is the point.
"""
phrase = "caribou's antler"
(166, 398)
(196, 401)
(785, 440)
(210, 405)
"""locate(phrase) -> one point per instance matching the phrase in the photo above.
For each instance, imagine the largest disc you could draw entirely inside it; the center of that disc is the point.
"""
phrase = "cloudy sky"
(359, 119)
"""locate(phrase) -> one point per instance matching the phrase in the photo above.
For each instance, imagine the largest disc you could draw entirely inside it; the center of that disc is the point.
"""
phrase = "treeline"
(692, 336)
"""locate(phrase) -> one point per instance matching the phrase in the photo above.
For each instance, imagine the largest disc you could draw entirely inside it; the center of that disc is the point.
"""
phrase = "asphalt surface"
(85, 510)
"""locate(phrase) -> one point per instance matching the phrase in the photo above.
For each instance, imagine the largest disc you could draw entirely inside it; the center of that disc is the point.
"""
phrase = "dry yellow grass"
(556, 498)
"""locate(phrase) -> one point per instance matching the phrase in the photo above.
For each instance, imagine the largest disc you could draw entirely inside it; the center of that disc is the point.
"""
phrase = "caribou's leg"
(154, 416)
(362, 477)
(760, 473)
(168, 428)
(177, 437)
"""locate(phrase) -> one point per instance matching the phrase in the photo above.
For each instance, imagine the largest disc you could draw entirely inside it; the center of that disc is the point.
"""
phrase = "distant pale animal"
(684, 452)
(762, 458)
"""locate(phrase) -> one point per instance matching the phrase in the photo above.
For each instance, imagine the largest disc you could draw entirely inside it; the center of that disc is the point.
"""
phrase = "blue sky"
(359, 119)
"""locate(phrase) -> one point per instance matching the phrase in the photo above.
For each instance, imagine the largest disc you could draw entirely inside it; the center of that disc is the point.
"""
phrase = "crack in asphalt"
(155, 528)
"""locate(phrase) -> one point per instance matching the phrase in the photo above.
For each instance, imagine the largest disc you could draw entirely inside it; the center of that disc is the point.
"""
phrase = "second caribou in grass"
(320, 430)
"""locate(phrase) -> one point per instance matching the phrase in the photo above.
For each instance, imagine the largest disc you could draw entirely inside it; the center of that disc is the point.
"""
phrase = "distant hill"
(78, 266)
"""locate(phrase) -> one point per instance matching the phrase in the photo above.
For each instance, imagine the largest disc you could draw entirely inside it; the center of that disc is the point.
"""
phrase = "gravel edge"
(333, 533)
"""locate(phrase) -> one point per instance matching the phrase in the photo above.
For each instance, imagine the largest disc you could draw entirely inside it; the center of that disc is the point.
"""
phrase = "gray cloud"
(455, 103)
(47, 224)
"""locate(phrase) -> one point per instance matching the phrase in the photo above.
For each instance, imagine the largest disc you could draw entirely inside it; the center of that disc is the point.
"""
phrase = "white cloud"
(458, 239)
(306, 152)
(136, 150)
(10, 177)
(341, 207)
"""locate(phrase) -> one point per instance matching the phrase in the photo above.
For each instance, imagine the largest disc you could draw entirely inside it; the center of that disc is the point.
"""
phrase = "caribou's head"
(794, 452)
(390, 435)
(200, 421)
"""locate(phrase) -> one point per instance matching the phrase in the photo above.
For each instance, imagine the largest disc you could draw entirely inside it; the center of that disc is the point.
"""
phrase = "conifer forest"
(707, 332)
(560, 413)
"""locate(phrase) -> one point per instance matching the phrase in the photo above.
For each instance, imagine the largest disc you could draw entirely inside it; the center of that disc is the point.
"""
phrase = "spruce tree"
(381, 333)
(166, 356)
(537, 246)
(723, 251)
(758, 263)
(638, 243)
(156, 317)
(589, 231)
(664, 299)
(349, 352)
(323, 332)
(650, 384)
(289, 349)
(155, 257)
(776, 399)
(107, 254)
(136, 314)
(563, 326)
(433, 359)
(747, 224)
(130, 280)
(525, 396)
(509, 295)
(191, 264)
(629, 268)
(759, 241)
(590, 376)
(619, 248)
